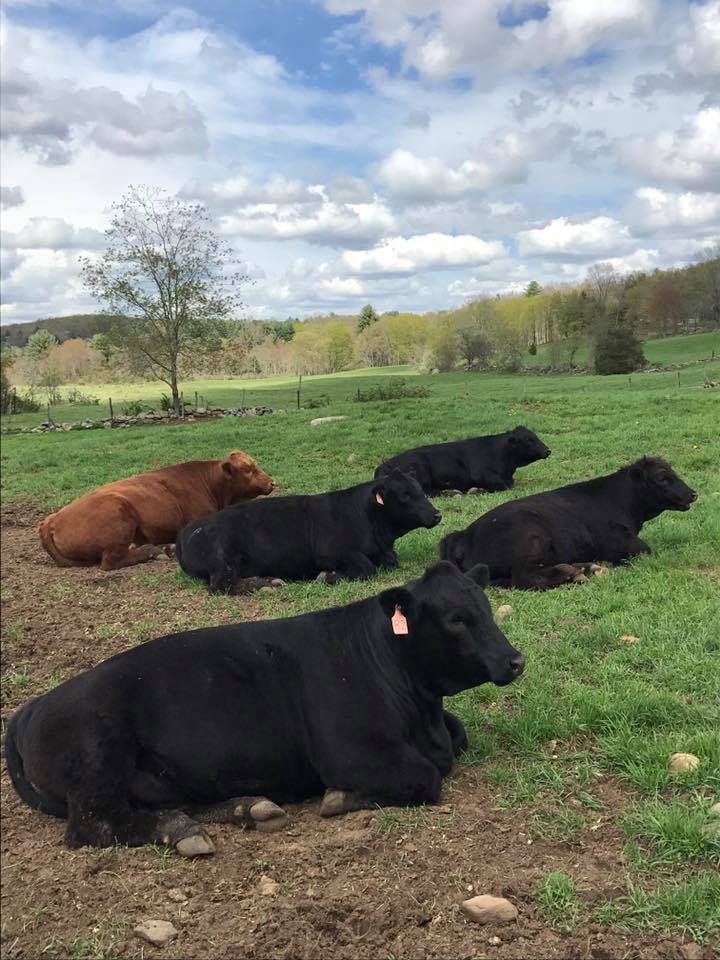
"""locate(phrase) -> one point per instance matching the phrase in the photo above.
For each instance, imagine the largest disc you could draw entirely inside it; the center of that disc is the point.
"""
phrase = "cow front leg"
(547, 578)
(404, 778)
(630, 548)
(253, 813)
(388, 560)
(114, 558)
(349, 566)
(458, 734)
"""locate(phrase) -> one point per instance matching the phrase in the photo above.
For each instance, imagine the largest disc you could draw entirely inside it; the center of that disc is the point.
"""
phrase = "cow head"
(403, 503)
(242, 479)
(452, 548)
(658, 487)
(526, 447)
(452, 642)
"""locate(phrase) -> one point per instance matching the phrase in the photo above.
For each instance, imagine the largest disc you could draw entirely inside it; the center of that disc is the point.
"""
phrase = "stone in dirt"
(176, 895)
(503, 611)
(157, 932)
(266, 886)
(691, 951)
(488, 909)
(684, 762)
(318, 420)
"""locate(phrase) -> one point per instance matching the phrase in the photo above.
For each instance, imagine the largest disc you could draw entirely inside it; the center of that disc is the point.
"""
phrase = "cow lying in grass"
(223, 724)
(488, 463)
(551, 538)
(348, 533)
(123, 523)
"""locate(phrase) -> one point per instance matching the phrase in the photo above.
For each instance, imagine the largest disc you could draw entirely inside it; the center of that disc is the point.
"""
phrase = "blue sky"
(407, 153)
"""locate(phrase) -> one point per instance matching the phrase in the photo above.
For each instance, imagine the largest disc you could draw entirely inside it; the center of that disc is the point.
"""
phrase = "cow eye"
(457, 620)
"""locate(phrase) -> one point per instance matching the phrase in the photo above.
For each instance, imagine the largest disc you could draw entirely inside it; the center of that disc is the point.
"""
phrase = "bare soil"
(385, 884)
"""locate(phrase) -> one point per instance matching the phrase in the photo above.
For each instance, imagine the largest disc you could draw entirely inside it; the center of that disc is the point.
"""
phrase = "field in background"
(281, 391)
(696, 346)
(574, 756)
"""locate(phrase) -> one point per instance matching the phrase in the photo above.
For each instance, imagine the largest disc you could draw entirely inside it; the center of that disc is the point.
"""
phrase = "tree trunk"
(175, 392)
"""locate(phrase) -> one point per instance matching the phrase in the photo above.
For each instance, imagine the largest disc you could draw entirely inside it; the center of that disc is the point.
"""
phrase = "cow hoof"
(579, 578)
(474, 490)
(151, 551)
(277, 582)
(268, 816)
(597, 571)
(198, 845)
(327, 576)
(334, 803)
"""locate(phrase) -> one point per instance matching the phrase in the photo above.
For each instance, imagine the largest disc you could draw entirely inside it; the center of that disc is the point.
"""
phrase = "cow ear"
(637, 470)
(378, 492)
(228, 467)
(397, 598)
(480, 573)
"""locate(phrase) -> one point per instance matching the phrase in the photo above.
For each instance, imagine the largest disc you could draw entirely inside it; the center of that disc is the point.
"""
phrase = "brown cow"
(121, 523)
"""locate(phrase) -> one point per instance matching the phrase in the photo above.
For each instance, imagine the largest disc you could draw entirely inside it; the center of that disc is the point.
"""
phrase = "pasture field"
(564, 802)
(666, 350)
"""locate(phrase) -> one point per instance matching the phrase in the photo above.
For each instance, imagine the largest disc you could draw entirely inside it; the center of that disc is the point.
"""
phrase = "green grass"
(558, 899)
(690, 906)
(668, 350)
(615, 709)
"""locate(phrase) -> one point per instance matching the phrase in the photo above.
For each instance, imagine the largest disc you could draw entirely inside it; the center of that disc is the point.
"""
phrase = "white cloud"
(561, 238)
(11, 197)
(695, 61)
(52, 233)
(240, 191)
(654, 209)
(431, 251)
(324, 222)
(689, 156)
(506, 158)
(441, 39)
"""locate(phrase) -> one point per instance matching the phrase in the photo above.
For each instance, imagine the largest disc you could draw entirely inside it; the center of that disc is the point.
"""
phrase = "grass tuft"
(557, 896)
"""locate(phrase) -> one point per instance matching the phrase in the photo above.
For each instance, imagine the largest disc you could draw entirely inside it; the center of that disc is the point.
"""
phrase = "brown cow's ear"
(228, 467)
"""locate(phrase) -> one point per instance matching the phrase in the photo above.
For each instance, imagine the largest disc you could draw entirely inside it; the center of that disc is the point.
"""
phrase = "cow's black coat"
(486, 462)
(550, 538)
(348, 532)
(282, 708)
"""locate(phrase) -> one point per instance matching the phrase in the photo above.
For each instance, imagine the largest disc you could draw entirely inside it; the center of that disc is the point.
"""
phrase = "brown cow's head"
(242, 479)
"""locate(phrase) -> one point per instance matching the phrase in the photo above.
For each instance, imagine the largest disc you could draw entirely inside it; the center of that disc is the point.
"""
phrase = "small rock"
(691, 951)
(277, 582)
(176, 895)
(711, 831)
(266, 886)
(684, 762)
(266, 589)
(352, 458)
(474, 490)
(629, 638)
(494, 941)
(318, 420)
(157, 932)
(488, 909)
(715, 810)
(503, 611)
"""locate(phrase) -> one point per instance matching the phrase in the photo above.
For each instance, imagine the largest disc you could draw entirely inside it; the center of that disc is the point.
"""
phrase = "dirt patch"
(383, 884)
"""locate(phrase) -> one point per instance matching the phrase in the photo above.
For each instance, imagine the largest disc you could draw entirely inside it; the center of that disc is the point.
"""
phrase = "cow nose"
(517, 664)
(693, 496)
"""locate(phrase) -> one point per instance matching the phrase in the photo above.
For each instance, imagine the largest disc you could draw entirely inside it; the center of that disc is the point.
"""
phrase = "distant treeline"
(605, 318)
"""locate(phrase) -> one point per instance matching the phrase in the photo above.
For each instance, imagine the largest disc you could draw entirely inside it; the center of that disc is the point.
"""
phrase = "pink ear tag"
(379, 499)
(399, 623)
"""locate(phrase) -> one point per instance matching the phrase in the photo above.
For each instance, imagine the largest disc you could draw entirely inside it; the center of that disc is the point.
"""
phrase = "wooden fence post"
(678, 376)
(112, 415)
(298, 390)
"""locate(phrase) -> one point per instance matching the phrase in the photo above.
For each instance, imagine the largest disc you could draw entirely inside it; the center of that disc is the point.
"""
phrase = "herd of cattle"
(225, 724)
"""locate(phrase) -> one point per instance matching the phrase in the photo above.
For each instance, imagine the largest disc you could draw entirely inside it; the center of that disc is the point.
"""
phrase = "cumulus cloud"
(654, 209)
(430, 251)
(11, 197)
(324, 222)
(689, 156)
(240, 191)
(48, 119)
(694, 63)
(505, 158)
(563, 239)
(441, 39)
(52, 233)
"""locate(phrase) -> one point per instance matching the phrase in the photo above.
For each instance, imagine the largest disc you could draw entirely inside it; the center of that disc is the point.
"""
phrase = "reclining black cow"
(348, 533)
(551, 538)
(488, 463)
(223, 724)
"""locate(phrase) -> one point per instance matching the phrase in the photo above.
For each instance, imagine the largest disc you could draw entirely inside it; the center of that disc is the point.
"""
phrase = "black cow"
(486, 462)
(208, 724)
(551, 538)
(347, 533)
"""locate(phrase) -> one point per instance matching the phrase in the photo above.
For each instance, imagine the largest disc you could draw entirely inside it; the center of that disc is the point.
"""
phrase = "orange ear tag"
(399, 623)
(379, 499)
